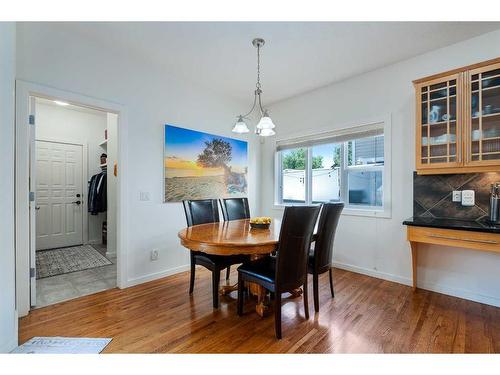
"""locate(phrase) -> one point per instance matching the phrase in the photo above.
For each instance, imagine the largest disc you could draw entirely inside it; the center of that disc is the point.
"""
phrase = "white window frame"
(355, 210)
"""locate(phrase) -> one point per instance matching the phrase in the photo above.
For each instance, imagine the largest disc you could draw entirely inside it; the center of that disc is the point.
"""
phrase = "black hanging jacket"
(97, 196)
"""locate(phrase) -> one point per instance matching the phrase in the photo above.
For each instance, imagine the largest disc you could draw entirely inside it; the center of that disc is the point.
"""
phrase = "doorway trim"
(24, 90)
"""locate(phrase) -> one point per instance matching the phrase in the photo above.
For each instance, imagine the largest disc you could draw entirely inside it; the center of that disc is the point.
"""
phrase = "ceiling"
(69, 106)
(297, 57)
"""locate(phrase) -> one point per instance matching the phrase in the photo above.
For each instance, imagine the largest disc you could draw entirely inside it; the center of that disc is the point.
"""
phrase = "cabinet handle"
(463, 239)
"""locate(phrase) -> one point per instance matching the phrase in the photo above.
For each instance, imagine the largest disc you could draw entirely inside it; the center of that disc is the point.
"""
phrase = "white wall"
(377, 246)
(67, 124)
(152, 97)
(112, 152)
(8, 315)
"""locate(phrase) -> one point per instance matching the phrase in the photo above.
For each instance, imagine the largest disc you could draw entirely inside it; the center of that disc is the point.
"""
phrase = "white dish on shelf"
(440, 140)
(476, 134)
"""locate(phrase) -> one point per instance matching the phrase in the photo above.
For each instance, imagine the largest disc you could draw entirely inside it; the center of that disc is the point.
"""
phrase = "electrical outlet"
(154, 255)
(456, 196)
(468, 198)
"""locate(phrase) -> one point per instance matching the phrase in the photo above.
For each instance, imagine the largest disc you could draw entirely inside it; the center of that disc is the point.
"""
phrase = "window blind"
(336, 136)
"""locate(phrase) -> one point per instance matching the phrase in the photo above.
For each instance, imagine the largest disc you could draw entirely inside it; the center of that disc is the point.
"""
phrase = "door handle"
(37, 208)
(77, 202)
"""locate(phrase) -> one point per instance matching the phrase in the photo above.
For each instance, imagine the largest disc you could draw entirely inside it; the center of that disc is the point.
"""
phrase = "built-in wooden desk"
(473, 235)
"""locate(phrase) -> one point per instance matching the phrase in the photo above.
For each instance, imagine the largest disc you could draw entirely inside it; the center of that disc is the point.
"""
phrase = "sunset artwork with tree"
(200, 165)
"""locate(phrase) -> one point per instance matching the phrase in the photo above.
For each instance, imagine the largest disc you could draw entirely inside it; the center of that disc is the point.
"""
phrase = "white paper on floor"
(62, 345)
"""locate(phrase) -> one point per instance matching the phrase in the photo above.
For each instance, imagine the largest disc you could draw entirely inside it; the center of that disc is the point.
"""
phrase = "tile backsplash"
(432, 195)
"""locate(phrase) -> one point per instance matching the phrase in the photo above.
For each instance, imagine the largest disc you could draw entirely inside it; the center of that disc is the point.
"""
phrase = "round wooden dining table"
(232, 238)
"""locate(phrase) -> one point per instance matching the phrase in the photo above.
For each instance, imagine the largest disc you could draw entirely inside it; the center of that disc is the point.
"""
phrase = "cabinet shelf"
(488, 115)
(486, 139)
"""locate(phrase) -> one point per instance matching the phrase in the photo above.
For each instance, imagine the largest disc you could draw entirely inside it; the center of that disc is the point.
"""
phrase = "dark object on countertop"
(477, 226)
(494, 208)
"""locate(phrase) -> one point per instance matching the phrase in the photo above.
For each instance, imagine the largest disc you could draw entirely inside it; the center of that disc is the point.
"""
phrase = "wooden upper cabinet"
(458, 120)
(482, 130)
(439, 122)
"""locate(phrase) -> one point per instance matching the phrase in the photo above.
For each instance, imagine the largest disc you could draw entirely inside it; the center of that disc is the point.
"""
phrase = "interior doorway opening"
(73, 165)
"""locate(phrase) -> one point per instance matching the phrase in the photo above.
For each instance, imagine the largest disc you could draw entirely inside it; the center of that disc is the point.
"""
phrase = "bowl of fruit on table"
(260, 222)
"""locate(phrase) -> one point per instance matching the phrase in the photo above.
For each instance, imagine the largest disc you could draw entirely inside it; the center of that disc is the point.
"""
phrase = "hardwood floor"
(368, 315)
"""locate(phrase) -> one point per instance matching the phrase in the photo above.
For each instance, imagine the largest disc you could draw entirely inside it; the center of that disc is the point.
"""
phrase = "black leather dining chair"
(235, 208)
(320, 258)
(288, 270)
(201, 212)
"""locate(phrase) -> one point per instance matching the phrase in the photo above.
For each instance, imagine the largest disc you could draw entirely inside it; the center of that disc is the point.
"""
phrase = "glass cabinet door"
(483, 115)
(439, 122)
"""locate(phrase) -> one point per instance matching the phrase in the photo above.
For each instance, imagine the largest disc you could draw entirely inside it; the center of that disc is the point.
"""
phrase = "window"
(348, 166)
(364, 171)
(293, 170)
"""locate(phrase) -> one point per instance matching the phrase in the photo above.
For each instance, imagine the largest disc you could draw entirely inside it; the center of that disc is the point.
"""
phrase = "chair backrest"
(297, 229)
(323, 246)
(235, 208)
(201, 211)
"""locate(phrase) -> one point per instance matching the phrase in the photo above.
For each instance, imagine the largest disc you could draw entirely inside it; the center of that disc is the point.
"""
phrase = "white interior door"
(59, 205)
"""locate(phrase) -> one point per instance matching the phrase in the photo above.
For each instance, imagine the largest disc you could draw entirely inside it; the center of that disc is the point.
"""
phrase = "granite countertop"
(477, 226)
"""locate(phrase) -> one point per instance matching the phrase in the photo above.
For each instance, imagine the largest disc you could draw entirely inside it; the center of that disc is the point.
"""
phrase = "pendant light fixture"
(265, 127)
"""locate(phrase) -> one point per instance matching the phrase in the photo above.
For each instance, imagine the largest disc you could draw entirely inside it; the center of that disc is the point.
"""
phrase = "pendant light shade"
(240, 127)
(265, 122)
(266, 132)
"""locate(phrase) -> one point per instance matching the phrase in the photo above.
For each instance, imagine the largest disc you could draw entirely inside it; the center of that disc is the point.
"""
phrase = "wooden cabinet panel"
(482, 116)
(439, 122)
(456, 238)
(458, 120)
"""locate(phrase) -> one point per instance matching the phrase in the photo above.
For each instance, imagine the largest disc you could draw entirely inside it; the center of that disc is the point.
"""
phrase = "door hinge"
(32, 120)
(32, 196)
(32, 272)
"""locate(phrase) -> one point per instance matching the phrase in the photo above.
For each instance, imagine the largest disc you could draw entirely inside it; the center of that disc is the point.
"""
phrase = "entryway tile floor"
(61, 288)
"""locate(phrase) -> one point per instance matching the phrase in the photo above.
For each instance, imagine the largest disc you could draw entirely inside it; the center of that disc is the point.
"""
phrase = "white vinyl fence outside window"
(344, 166)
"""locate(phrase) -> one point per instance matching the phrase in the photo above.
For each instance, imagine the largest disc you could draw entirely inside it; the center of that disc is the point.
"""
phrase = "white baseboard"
(460, 293)
(157, 275)
(374, 273)
(455, 292)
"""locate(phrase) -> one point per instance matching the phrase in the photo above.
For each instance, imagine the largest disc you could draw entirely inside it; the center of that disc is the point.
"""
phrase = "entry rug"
(62, 345)
(68, 259)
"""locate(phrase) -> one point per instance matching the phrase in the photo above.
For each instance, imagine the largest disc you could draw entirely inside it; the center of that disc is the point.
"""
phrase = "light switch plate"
(468, 198)
(456, 196)
(144, 196)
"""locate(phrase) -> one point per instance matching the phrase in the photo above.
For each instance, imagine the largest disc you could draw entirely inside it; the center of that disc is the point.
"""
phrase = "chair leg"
(331, 282)
(316, 292)
(215, 287)
(228, 272)
(193, 270)
(277, 314)
(306, 301)
(241, 288)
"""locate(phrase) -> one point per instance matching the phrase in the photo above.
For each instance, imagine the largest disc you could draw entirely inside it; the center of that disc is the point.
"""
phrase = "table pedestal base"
(227, 289)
